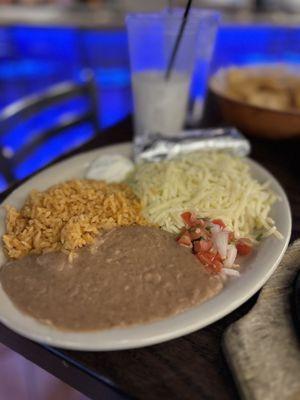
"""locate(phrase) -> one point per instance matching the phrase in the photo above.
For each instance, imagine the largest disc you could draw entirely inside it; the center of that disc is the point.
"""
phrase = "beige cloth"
(262, 348)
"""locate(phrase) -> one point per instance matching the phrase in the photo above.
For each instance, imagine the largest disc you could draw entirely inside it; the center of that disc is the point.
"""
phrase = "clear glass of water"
(160, 101)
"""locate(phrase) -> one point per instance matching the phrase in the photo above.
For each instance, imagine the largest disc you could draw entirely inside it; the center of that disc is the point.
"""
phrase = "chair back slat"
(32, 105)
(38, 140)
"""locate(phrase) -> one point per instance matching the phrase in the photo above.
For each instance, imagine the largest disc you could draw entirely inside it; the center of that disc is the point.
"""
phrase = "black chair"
(30, 106)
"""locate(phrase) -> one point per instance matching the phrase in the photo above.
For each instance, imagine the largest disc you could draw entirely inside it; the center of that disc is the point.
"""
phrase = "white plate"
(255, 273)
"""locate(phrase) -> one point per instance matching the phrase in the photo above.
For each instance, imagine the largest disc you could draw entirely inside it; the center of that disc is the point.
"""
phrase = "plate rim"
(159, 337)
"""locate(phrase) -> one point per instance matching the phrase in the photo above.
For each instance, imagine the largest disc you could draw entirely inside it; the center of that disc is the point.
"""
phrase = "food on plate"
(210, 184)
(110, 168)
(214, 245)
(130, 275)
(269, 87)
(68, 216)
(88, 254)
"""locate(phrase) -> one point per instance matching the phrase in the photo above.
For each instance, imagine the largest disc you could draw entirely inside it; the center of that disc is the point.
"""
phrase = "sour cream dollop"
(110, 168)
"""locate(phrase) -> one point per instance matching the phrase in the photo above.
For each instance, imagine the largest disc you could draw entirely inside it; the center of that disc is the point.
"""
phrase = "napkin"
(262, 348)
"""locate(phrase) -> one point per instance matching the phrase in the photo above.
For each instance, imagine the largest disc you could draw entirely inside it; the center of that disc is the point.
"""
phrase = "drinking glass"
(161, 89)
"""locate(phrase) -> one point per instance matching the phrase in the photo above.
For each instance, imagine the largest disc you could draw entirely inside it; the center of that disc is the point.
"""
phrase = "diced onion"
(220, 240)
(231, 256)
(231, 272)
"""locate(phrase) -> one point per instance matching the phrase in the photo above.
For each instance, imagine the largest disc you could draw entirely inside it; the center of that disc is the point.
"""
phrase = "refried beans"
(130, 275)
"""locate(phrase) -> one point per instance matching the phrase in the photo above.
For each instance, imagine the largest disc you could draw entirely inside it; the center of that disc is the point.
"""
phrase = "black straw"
(178, 39)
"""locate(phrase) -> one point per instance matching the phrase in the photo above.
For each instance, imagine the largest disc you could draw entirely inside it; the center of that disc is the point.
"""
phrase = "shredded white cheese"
(213, 185)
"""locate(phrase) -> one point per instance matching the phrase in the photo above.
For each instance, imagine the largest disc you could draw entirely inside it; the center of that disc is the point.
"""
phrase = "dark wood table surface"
(191, 367)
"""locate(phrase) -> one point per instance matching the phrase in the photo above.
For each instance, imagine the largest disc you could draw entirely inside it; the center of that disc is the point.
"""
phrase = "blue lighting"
(49, 150)
(26, 130)
(25, 68)
(33, 58)
(112, 77)
(243, 44)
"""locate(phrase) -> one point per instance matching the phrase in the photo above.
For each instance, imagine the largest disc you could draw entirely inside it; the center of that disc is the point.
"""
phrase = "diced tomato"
(215, 267)
(210, 261)
(205, 257)
(185, 240)
(195, 233)
(206, 245)
(217, 257)
(219, 222)
(190, 219)
(199, 222)
(186, 216)
(244, 247)
(202, 245)
(193, 219)
(183, 231)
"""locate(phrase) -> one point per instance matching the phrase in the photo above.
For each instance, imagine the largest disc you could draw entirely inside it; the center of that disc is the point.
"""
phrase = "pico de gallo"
(212, 242)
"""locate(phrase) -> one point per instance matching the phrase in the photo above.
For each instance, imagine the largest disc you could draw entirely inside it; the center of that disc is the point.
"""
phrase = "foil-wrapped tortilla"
(158, 147)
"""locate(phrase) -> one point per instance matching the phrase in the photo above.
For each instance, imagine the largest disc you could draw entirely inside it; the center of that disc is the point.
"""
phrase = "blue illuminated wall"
(246, 44)
(32, 58)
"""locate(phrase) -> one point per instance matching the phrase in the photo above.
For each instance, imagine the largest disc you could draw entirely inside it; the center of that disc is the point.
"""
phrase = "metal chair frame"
(32, 105)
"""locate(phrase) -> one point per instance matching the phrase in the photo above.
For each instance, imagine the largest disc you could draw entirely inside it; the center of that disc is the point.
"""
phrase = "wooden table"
(192, 367)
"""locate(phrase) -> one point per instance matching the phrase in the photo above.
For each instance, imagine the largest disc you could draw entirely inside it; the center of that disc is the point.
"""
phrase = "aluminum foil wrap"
(158, 147)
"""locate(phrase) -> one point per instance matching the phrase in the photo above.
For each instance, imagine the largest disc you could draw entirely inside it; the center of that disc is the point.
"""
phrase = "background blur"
(43, 42)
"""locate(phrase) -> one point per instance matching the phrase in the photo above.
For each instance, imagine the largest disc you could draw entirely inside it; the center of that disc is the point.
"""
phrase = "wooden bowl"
(251, 119)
